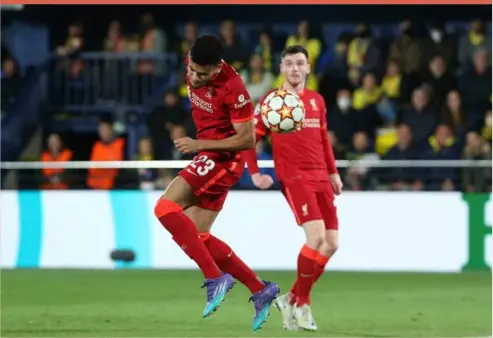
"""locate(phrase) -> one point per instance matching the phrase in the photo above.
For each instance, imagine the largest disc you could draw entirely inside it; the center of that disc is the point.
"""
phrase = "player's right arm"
(250, 155)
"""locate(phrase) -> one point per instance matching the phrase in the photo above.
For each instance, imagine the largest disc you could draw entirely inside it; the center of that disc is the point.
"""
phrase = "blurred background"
(92, 83)
(400, 83)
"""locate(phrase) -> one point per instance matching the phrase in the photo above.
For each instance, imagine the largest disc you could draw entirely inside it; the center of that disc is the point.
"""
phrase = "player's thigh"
(202, 218)
(210, 181)
(328, 209)
(180, 192)
(302, 199)
(201, 173)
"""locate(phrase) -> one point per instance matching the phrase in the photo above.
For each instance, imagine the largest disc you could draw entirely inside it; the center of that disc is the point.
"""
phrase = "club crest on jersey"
(209, 93)
(314, 104)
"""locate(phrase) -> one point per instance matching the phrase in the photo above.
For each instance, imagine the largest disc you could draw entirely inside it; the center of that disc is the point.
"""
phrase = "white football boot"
(304, 318)
(284, 306)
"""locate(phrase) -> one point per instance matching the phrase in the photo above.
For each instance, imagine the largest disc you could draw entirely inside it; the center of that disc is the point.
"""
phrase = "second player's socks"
(186, 235)
(227, 260)
(306, 274)
(320, 264)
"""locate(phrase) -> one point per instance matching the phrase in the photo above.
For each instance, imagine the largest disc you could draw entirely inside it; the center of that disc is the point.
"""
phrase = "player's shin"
(227, 261)
(186, 235)
(306, 274)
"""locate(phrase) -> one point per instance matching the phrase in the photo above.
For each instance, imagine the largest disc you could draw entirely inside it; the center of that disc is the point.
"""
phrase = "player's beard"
(296, 81)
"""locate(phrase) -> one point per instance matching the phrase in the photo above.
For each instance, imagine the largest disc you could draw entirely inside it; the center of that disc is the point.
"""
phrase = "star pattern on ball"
(285, 113)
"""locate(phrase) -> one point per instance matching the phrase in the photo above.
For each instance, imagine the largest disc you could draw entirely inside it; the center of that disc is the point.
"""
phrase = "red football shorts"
(311, 201)
(211, 176)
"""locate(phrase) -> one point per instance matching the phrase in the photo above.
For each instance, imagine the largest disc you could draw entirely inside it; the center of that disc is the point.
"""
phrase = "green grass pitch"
(141, 303)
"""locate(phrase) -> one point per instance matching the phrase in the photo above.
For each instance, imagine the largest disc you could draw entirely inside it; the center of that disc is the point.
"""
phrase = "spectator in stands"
(265, 49)
(486, 129)
(75, 40)
(405, 50)
(55, 179)
(12, 82)
(476, 179)
(475, 84)
(357, 175)
(386, 135)
(442, 146)
(368, 94)
(165, 121)
(190, 34)
(152, 40)
(332, 67)
(393, 82)
(115, 40)
(421, 117)
(258, 81)
(304, 38)
(147, 177)
(363, 55)
(338, 148)
(108, 148)
(340, 118)
(402, 178)
(438, 42)
(470, 42)
(235, 51)
(439, 78)
(453, 114)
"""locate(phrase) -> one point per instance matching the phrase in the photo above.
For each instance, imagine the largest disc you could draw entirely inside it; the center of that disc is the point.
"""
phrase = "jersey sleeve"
(328, 151)
(239, 101)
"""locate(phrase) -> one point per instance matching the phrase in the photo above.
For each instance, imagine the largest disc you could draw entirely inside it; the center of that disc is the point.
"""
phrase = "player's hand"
(186, 145)
(336, 182)
(262, 181)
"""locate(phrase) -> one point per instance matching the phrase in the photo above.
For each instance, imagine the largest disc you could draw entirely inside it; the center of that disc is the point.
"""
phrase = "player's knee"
(164, 207)
(329, 246)
(315, 240)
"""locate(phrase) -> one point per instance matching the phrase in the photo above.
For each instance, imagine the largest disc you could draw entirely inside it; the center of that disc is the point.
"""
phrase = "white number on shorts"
(205, 165)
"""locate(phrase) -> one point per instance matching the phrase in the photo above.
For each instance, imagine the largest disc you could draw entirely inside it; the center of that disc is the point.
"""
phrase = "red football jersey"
(218, 105)
(304, 153)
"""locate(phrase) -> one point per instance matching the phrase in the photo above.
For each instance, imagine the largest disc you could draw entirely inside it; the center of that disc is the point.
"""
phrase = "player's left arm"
(241, 108)
(335, 179)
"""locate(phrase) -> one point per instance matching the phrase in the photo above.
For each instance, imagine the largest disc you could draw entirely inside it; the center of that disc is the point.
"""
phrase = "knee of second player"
(330, 243)
(315, 234)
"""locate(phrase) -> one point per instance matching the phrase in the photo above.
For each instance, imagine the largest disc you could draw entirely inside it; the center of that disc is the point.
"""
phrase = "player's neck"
(297, 89)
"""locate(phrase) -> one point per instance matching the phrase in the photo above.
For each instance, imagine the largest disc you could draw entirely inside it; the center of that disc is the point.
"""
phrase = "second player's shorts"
(212, 176)
(311, 201)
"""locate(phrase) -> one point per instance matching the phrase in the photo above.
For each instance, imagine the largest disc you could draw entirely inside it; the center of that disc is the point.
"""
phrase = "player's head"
(294, 64)
(205, 59)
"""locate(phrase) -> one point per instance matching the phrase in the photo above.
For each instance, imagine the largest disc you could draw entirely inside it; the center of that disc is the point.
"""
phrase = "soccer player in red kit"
(223, 115)
(305, 165)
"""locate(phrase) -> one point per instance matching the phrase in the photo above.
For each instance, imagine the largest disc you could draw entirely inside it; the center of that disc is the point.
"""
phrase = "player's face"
(201, 75)
(295, 68)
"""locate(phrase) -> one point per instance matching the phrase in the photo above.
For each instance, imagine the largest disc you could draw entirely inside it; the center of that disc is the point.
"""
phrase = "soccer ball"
(282, 111)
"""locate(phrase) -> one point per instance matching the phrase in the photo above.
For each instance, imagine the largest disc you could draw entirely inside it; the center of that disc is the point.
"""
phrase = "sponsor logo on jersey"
(200, 103)
(242, 101)
(311, 123)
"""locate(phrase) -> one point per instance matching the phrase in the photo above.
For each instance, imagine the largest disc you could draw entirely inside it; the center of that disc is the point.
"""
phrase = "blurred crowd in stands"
(409, 92)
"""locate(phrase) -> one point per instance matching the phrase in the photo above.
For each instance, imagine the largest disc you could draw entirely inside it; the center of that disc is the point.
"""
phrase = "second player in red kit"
(223, 115)
(305, 165)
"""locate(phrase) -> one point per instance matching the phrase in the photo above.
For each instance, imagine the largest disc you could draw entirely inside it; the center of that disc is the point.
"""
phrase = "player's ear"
(308, 68)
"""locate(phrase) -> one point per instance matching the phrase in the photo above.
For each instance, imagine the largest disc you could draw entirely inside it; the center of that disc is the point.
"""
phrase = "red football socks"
(306, 274)
(186, 235)
(228, 262)
(319, 268)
